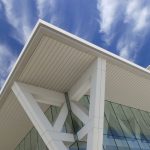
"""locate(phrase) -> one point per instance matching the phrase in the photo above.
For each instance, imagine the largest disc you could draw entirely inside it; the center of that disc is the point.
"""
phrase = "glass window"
(49, 114)
(109, 143)
(27, 142)
(74, 146)
(22, 145)
(145, 132)
(125, 128)
(55, 112)
(134, 123)
(108, 139)
(78, 146)
(84, 101)
(17, 148)
(68, 125)
(41, 144)
(112, 120)
(34, 139)
(123, 121)
(146, 117)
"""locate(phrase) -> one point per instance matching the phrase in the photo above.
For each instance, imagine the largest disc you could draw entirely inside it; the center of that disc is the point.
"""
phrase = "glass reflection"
(125, 128)
(129, 127)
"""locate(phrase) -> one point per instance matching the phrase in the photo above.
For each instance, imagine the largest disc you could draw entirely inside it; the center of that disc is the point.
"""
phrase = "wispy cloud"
(137, 14)
(107, 9)
(7, 60)
(18, 18)
(47, 10)
(136, 20)
(137, 26)
(127, 47)
(108, 17)
(44, 7)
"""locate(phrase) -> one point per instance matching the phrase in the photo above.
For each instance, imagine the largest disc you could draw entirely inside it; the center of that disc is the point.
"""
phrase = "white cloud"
(18, 15)
(137, 23)
(44, 7)
(126, 48)
(135, 17)
(7, 60)
(142, 21)
(107, 10)
(18, 18)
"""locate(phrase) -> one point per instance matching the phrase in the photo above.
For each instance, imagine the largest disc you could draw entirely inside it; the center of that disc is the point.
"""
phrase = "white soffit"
(127, 88)
(55, 65)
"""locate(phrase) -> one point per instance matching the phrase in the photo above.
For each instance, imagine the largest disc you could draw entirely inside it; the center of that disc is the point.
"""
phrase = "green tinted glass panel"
(27, 142)
(22, 145)
(41, 144)
(34, 139)
(125, 128)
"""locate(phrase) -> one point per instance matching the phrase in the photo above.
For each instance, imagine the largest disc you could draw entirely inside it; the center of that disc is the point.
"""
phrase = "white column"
(52, 139)
(96, 112)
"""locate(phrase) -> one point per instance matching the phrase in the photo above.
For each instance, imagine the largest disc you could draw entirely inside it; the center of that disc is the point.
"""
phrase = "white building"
(66, 93)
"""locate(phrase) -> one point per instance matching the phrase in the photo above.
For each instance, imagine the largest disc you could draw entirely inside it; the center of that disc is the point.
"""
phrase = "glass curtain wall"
(125, 128)
(33, 141)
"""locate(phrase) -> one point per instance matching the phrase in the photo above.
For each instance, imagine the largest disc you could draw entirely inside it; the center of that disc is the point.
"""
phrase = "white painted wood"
(83, 131)
(59, 136)
(53, 140)
(43, 95)
(80, 112)
(61, 118)
(96, 112)
(81, 87)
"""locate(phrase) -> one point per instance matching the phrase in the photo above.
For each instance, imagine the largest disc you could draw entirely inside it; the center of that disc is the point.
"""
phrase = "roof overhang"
(55, 59)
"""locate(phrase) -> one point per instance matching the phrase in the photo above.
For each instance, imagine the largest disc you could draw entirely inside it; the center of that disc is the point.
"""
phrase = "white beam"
(43, 95)
(96, 111)
(66, 137)
(81, 87)
(83, 131)
(61, 118)
(37, 117)
(80, 112)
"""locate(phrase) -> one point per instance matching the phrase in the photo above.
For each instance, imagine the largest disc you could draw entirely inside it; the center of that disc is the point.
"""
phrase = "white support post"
(96, 112)
(94, 79)
(52, 138)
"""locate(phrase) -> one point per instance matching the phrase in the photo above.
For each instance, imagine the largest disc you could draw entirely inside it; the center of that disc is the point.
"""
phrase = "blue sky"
(120, 26)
